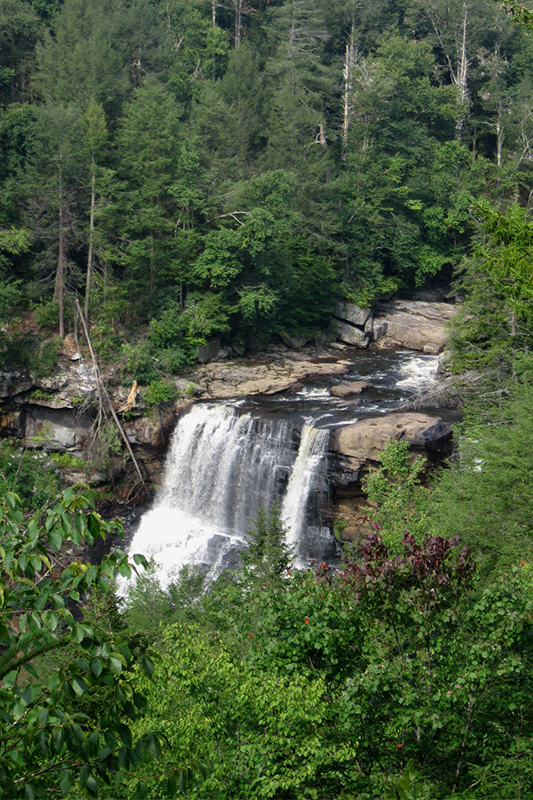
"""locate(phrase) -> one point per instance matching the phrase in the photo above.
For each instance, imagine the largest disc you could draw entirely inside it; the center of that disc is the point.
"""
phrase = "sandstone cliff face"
(417, 325)
(357, 447)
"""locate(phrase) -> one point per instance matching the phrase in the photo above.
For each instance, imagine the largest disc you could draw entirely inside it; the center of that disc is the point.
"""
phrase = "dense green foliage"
(213, 169)
(195, 169)
(49, 740)
(399, 671)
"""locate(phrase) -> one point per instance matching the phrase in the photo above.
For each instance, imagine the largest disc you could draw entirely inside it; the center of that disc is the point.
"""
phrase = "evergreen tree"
(152, 225)
(52, 182)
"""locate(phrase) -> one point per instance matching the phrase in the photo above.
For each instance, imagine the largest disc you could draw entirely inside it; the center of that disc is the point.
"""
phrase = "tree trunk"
(349, 61)
(91, 238)
(461, 78)
(499, 137)
(59, 292)
(238, 21)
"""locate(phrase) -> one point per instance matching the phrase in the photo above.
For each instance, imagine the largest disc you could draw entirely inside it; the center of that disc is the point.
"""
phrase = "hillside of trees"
(191, 168)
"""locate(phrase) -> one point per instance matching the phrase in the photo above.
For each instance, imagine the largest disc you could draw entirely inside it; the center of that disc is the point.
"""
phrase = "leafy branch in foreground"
(46, 744)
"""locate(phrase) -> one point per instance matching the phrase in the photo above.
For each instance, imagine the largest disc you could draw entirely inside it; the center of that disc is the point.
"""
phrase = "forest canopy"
(231, 169)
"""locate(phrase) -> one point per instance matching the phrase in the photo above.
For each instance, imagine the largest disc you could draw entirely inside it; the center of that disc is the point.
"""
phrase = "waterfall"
(223, 466)
(306, 471)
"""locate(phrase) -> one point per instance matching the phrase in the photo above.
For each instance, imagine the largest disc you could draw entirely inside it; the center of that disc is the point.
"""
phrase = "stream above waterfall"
(227, 459)
(396, 378)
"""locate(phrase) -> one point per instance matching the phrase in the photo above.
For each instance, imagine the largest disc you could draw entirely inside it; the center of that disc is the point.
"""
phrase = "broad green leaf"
(10, 679)
(147, 665)
(55, 538)
(125, 734)
(58, 740)
(66, 782)
(97, 666)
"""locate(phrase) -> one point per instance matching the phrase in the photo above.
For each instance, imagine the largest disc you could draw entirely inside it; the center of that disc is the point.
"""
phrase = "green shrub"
(140, 363)
(396, 494)
(166, 330)
(11, 294)
(158, 393)
(106, 342)
(46, 314)
(67, 460)
(18, 351)
(174, 359)
(47, 356)
(38, 394)
(31, 474)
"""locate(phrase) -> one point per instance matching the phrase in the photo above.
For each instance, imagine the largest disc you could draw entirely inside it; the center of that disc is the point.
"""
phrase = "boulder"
(152, 431)
(209, 351)
(349, 389)
(351, 335)
(369, 325)
(188, 388)
(267, 386)
(416, 325)
(349, 312)
(379, 329)
(359, 445)
(239, 348)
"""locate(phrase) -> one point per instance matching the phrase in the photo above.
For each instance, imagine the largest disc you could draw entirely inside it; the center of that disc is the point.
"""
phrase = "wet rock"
(349, 389)
(153, 431)
(338, 346)
(237, 379)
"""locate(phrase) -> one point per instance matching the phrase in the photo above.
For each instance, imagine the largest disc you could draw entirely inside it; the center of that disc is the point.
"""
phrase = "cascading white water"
(222, 467)
(418, 372)
(305, 472)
